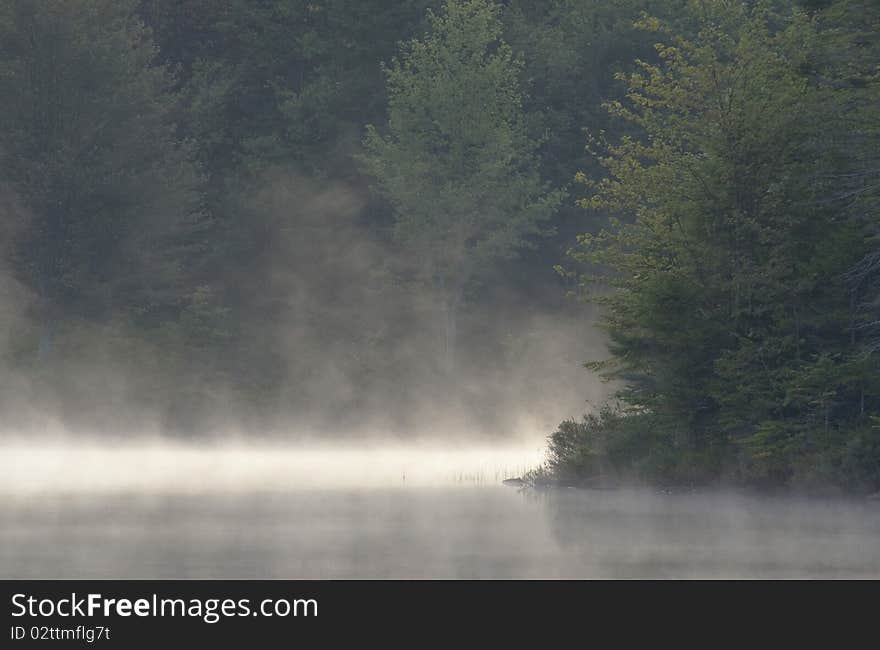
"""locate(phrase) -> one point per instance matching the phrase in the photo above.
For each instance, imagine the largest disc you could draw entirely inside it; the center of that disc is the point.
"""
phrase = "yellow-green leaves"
(721, 271)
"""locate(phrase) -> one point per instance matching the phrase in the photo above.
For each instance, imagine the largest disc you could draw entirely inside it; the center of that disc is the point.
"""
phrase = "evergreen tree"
(722, 276)
(87, 144)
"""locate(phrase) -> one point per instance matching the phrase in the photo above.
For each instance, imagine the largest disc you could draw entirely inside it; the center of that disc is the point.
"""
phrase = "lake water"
(155, 512)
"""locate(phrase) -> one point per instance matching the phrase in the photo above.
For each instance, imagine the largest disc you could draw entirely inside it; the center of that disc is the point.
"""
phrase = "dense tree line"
(188, 199)
(736, 271)
(288, 206)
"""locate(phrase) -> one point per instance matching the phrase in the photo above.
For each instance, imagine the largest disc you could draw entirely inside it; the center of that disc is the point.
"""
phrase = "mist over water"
(294, 414)
(241, 337)
(91, 468)
(172, 510)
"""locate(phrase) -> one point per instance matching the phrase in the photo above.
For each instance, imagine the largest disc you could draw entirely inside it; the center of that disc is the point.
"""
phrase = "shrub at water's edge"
(612, 447)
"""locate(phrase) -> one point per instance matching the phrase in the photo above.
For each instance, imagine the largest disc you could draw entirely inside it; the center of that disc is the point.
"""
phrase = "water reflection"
(631, 534)
(435, 532)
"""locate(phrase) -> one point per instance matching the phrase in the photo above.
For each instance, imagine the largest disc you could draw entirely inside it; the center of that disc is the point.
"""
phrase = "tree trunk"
(48, 324)
(47, 338)
(449, 353)
(452, 302)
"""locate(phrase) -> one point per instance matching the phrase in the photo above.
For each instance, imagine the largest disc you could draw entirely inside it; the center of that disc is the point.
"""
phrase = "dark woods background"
(351, 216)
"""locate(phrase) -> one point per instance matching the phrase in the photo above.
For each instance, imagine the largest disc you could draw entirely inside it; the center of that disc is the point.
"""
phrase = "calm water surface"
(435, 532)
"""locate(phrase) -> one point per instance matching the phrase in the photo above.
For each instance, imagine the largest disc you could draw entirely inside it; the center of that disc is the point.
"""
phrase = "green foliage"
(852, 52)
(284, 82)
(111, 199)
(458, 164)
(184, 189)
(103, 212)
(571, 51)
(275, 94)
(722, 275)
(617, 444)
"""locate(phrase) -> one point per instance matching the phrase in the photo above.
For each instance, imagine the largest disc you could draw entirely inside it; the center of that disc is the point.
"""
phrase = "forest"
(241, 214)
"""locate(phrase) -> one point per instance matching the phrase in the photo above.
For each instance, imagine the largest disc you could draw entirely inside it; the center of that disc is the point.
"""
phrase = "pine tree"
(88, 146)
